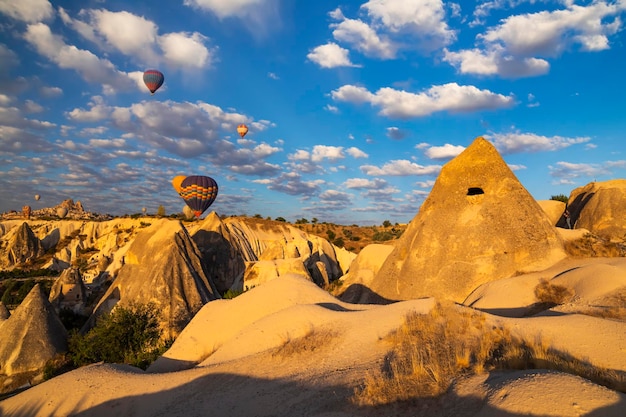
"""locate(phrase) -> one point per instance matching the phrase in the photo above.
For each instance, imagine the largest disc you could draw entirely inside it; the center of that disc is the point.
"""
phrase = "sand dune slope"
(290, 349)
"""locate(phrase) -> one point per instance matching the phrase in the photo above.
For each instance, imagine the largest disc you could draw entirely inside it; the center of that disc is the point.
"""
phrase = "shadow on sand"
(235, 395)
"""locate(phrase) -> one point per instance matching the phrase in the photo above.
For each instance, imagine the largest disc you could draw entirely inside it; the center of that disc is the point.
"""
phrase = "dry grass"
(432, 351)
(552, 294)
(591, 245)
(311, 341)
(613, 307)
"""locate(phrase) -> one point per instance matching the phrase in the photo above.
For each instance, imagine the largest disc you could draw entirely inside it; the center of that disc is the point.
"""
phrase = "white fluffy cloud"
(423, 19)
(30, 11)
(446, 151)
(402, 104)
(364, 39)
(225, 8)
(186, 50)
(400, 168)
(139, 38)
(89, 66)
(495, 62)
(508, 143)
(548, 33)
(513, 48)
(330, 55)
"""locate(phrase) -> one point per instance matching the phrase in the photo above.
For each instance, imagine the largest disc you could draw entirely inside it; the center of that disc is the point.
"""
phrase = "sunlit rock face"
(163, 266)
(478, 224)
(231, 248)
(599, 207)
(554, 209)
(31, 336)
(21, 246)
(355, 284)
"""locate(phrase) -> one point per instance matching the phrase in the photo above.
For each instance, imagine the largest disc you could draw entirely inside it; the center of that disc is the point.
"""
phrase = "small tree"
(560, 197)
(161, 211)
(386, 223)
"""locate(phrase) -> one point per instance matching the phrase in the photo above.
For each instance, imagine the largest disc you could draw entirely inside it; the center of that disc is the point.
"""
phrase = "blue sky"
(353, 107)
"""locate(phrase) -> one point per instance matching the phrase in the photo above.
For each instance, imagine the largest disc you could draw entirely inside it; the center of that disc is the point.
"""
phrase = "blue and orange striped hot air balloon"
(153, 80)
(199, 192)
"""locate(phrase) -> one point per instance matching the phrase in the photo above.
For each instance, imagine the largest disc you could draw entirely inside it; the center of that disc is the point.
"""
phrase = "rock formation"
(599, 207)
(231, 247)
(31, 336)
(4, 312)
(162, 266)
(478, 224)
(69, 291)
(355, 284)
(553, 208)
(22, 246)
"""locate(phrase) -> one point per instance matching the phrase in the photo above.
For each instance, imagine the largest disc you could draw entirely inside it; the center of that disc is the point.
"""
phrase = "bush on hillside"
(130, 335)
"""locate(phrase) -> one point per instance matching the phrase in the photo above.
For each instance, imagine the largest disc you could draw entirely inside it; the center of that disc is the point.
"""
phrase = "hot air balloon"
(61, 212)
(37, 197)
(153, 80)
(176, 181)
(242, 130)
(199, 192)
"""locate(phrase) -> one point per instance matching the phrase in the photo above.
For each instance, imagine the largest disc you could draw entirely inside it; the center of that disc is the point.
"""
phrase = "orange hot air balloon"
(177, 181)
(242, 130)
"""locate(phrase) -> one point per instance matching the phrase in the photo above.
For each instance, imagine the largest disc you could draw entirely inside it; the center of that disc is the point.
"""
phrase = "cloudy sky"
(353, 107)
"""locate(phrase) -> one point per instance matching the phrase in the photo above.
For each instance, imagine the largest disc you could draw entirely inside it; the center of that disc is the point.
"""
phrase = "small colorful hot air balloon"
(242, 130)
(153, 80)
(199, 192)
(37, 197)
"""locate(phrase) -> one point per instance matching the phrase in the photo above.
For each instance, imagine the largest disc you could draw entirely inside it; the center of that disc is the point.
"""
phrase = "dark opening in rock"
(475, 191)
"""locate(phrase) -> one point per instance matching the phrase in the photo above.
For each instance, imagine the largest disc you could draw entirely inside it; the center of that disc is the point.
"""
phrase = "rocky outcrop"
(599, 207)
(69, 291)
(554, 209)
(162, 266)
(478, 224)
(31, 336)
(231, 248)
(355, 284)
(22, 246)
(4, 312)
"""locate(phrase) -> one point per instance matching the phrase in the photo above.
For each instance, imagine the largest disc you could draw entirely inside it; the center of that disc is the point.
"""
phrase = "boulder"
(599, 207)
(478, 224)
(31, 336)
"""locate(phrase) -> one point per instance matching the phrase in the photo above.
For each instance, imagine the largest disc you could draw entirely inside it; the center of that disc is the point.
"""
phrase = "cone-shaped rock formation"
(31, 336)
(477, 225)
(162, 266)
(23, 246)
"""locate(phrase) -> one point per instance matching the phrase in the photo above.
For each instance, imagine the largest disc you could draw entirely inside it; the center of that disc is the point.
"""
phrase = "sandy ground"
(228, 361)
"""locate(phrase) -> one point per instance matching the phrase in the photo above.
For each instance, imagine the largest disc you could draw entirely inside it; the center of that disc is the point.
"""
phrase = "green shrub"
(560, 197)
(130, 335)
